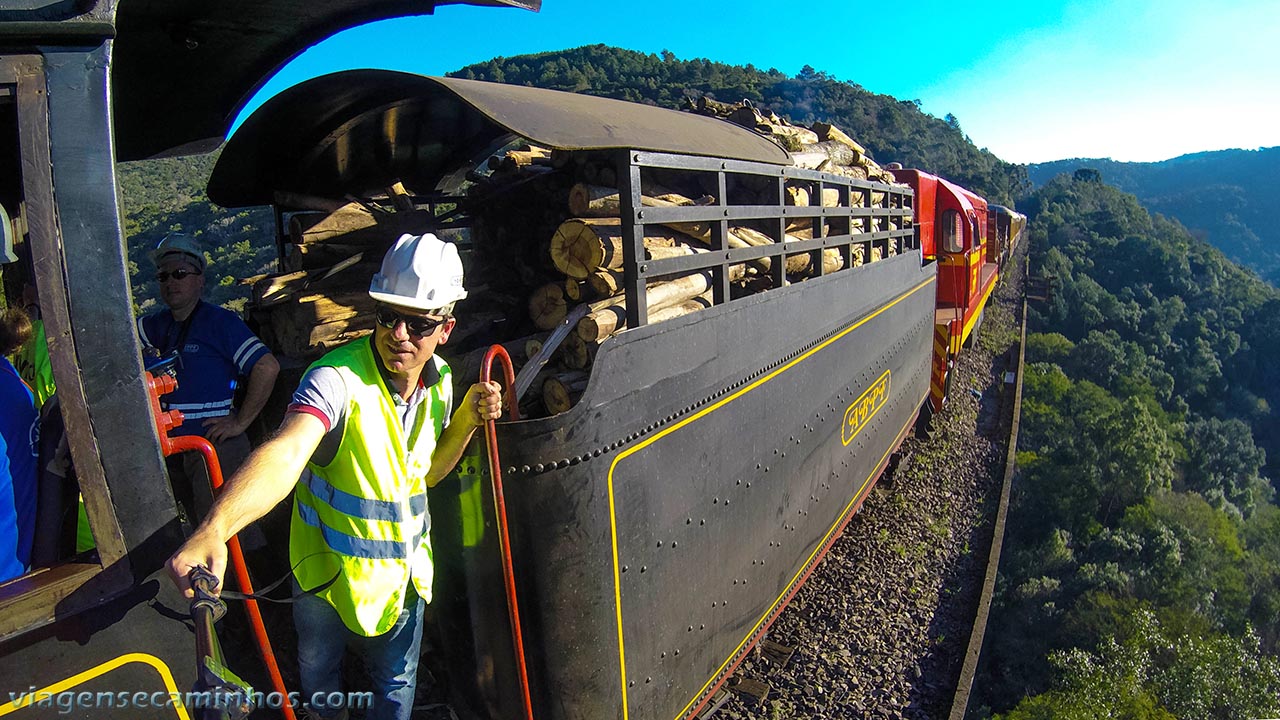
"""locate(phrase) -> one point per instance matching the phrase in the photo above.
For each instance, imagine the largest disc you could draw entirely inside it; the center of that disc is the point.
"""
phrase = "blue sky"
(1032, 81)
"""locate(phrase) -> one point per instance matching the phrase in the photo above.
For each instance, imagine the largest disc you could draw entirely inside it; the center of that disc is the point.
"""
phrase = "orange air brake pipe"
(166, 421)
(500, 506)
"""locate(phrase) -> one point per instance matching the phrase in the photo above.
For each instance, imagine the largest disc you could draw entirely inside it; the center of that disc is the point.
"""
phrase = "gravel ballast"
(882, 625)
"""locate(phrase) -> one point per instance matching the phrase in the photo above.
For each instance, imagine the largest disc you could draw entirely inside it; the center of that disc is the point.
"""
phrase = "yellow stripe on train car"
(977, 310)
(613, 523)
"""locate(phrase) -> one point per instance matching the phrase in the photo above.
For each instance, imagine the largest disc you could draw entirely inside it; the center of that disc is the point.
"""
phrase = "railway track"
(1013, 397)
(890, 622)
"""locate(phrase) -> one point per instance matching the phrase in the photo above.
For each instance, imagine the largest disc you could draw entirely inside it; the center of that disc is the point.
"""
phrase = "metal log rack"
(889, 220)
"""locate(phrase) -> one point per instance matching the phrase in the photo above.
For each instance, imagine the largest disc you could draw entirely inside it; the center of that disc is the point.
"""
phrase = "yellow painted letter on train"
(864, 408)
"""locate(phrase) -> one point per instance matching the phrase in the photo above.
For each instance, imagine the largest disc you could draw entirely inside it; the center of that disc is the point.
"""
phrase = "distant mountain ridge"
(1225, 197)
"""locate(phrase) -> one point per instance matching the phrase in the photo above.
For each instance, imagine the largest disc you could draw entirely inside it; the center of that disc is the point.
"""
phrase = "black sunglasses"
(415, 324)
(176, 274)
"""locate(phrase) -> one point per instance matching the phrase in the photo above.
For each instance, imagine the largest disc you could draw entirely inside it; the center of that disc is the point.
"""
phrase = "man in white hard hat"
(214, 349)
(371, 427)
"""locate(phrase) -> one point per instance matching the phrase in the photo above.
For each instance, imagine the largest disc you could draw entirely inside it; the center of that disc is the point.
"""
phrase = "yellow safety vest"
(364, 515)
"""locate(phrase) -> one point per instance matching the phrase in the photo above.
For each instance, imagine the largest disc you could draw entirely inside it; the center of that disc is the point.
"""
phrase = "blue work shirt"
(216, 349)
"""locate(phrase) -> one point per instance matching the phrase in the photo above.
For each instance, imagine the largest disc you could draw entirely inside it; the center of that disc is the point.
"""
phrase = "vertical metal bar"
(719, 242)
(52, 281)
(633, 255)
(81, 160)
(816, 227)
(778, 266)
(845, 224)
(910, 195)
(280, 236)
(901, 223)
(869, 222)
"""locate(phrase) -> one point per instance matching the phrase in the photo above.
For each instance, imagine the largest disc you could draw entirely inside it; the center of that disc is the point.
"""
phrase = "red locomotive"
(953, 226)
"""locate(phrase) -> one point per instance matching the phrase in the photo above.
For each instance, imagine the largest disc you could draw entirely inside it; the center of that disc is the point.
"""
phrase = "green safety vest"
(32, 362)
(364, 515)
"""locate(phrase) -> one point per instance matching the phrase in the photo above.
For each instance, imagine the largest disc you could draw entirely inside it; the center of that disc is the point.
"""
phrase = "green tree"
(1224, 464)
(1148, 672)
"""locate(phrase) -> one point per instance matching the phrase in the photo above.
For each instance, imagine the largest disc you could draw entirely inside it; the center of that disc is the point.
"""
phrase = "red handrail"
(500, 506)
(166, 421)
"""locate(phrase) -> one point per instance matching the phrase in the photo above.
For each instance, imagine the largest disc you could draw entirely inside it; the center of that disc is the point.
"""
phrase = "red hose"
(500, 506)
(165, 421)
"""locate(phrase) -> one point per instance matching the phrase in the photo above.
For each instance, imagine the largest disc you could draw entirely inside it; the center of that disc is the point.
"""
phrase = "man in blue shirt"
(214, 348)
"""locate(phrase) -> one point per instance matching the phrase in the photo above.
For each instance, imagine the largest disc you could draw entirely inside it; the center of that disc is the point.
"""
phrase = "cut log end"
(575, 250)
(560, 392)
(547, 306)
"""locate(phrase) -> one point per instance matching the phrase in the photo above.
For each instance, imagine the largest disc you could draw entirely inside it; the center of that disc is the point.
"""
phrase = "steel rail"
(964, 684)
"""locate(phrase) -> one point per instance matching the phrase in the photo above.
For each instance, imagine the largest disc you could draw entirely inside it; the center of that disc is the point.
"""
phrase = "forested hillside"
(163, 196)
(1143, 572)
(1226, 197)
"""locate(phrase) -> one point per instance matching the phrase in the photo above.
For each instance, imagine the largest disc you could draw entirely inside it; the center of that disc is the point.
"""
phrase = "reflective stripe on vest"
(365, 513)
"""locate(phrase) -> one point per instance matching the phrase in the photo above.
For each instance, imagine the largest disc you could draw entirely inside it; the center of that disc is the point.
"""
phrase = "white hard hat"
(177, 243)
(421, 272)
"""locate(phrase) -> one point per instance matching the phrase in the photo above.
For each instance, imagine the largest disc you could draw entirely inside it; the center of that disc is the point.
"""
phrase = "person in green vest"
(36, 369)
(371, 427)
(32, 359)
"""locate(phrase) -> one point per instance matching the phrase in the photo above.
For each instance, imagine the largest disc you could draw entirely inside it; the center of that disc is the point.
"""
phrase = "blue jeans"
(391, 658)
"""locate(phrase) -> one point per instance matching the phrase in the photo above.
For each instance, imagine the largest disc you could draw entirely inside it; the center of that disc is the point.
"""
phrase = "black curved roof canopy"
(359, 131)
(182, 70)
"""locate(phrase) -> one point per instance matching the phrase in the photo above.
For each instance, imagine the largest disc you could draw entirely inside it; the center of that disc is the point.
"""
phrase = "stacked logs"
(318, 303)
(545, 236)
(822, 146)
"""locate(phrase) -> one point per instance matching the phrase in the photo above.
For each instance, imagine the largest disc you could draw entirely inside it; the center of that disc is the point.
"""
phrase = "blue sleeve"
(145, 330)
(10, 565)
(239, 343)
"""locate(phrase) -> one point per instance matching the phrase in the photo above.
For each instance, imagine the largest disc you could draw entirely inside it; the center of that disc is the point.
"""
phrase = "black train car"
(661, 523)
